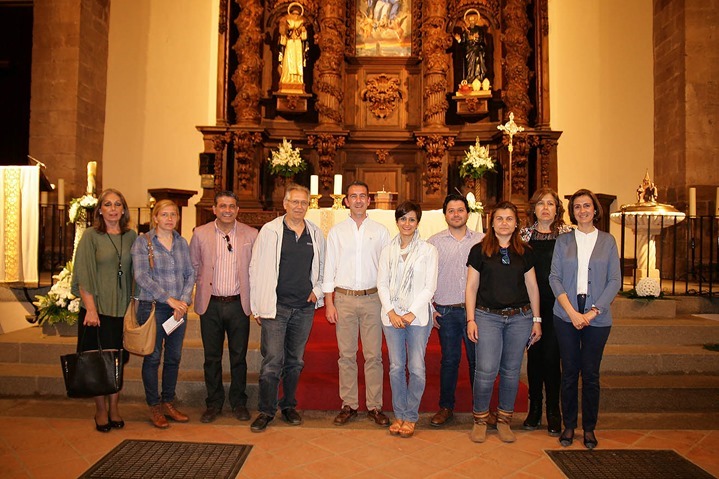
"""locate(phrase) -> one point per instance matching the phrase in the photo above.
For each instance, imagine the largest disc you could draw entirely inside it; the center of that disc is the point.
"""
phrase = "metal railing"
(686, 251)
(57, 235)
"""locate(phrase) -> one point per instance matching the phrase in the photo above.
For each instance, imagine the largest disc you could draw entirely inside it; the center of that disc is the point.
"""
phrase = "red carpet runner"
(319, 389)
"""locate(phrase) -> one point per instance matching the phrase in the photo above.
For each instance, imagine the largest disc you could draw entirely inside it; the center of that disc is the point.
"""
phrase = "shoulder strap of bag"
(150, 251)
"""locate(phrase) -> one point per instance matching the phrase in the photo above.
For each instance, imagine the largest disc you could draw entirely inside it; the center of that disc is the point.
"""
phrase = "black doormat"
(623, 463)
(169, 459)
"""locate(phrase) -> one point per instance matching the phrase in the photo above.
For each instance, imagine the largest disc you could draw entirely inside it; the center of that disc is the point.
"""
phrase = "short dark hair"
(227, 194)
(598, 211)
(406, 207)
(454, 197)
(357, 183)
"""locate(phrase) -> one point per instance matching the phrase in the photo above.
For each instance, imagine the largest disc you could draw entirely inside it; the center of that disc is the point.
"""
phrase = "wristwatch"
(536, 319)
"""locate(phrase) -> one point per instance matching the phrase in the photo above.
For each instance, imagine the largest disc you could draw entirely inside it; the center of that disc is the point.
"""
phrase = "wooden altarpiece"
(385, 110)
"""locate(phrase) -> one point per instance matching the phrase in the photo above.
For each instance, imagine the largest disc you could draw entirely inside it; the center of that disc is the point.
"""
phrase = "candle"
(61, 192)
(716, 204)
(314, 184)
(43, 198)
(692, 201)
(338, 184)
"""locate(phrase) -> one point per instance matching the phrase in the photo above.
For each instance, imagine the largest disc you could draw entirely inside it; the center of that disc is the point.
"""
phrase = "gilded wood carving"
(244, 143)
(326, 145)
(383, 94)
(248, 74)
(329, 69)
(435, 147)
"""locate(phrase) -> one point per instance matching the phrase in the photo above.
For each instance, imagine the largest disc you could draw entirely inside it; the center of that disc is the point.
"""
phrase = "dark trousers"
(543, 371)
(452, 333)
(225, 318)
(581, 352)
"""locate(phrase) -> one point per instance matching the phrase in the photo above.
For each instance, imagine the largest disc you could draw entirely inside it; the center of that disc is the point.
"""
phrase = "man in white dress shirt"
(353, 249)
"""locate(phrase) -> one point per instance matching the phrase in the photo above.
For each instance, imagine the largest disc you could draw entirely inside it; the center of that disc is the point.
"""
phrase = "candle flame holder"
(315, 202)
(338, 205)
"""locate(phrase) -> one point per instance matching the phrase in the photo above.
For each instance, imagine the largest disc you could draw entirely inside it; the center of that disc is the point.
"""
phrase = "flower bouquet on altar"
(82, 208)
(476, 162)
(59, 305)
(286, 161)
(475, 206)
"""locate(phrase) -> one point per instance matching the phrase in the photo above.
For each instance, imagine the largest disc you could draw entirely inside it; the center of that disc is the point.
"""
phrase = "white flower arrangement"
(60, 305)
(475, 206)
(87, 202)
(648, 287)
(285, 160)
(476, 162)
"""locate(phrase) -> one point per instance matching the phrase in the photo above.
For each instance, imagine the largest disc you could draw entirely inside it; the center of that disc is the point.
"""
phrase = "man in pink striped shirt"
(450, 317)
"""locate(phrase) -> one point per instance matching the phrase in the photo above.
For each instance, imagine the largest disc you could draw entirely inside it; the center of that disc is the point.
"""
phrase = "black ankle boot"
(554, 422)
(534, 416)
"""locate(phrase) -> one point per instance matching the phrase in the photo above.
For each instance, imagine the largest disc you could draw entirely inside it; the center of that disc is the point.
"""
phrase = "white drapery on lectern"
(19, 224)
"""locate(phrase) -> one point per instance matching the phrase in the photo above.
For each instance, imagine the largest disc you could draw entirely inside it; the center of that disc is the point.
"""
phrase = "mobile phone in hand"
(532, 339)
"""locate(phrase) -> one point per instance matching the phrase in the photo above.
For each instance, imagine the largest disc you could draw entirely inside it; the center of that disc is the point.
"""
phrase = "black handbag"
(92, 373)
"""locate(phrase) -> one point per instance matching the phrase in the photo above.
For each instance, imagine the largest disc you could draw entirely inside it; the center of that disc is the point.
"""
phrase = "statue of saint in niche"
(293, 49)
(477, 50)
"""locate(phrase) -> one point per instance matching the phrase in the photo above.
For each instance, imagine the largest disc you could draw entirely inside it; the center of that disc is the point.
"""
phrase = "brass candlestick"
(338, 205)
(315, 202)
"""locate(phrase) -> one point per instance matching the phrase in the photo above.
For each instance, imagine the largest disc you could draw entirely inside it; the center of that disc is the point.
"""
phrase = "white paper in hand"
(170, 325)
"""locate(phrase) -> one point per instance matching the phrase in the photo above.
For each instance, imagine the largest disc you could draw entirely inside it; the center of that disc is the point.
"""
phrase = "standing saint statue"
(477, 47)
(293, 49)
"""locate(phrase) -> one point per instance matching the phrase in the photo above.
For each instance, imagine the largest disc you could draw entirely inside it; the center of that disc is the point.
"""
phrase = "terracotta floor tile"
(335, 467)
(61, 470)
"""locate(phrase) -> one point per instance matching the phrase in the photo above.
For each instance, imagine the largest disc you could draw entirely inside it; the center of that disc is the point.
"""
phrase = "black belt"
(451, 306)
(506, 311)
(226, 299)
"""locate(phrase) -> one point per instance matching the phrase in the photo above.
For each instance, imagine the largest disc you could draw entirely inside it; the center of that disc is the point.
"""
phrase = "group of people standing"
(546, 288)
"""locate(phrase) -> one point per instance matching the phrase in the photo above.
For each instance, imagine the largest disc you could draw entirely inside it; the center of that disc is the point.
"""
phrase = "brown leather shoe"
(158, 417)
(442, 416)
(344, 416)
(378, 417)
(168, 409)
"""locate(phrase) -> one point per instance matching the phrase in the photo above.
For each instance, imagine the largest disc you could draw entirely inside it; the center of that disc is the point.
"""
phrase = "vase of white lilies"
(475, 165)
(286, 161)
(58, 310)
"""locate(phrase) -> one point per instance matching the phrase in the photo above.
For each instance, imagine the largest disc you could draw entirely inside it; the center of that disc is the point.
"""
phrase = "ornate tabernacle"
(390, 92)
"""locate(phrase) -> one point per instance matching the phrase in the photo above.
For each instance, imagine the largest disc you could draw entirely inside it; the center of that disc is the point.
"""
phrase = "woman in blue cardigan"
(585, 278)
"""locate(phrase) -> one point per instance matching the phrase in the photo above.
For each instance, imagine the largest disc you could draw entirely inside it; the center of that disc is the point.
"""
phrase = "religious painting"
(384, 28)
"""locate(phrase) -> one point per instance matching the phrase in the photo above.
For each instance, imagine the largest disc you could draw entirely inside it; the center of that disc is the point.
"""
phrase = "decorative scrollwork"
(382, 156)
(219, 142)
(383, 94)
(330, 64)
(326, 145)
(248, 75)
(516, 71)
(244, 143)
(435, 147)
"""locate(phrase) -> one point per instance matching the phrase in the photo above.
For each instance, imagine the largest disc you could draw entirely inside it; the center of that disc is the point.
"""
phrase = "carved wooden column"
(541, 62)
(248, 75)
(516, 71)
(435, 147)
(328, 71)
(223, 27)
(246, 168)
(435, 42)
(546, 168)
(326, 145)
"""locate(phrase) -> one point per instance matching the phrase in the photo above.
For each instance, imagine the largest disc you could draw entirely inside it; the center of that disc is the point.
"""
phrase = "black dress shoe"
(554, 424)
(291, 416)
(241, 413)
(260, 424)
(567, 437)
(534, 416)
(102, 427)
(590, 440)
(115, 424)
(210, 414)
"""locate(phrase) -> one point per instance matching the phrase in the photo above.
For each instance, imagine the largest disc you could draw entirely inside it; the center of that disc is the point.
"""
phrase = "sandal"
(407, 429)
(395, 427)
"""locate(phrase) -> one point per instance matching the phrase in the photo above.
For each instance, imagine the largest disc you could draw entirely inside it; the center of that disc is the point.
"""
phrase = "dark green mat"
(168, 459)
(623, 463)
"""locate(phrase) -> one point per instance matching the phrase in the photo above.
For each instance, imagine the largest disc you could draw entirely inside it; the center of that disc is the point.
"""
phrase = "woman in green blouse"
(102, 278)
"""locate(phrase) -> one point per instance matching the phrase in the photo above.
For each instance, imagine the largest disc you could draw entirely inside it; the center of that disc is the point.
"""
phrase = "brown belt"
(506, 311)
(359, 292)
(226, 299)
(451, 306)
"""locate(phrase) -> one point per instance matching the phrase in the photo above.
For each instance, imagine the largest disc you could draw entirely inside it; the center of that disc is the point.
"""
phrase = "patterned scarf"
(400, 287)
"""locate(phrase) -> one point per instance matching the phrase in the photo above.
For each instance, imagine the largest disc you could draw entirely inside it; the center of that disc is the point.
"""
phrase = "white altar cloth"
(19, 224)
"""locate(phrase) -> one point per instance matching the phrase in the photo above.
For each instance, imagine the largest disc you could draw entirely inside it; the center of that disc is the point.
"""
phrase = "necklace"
(118, 252)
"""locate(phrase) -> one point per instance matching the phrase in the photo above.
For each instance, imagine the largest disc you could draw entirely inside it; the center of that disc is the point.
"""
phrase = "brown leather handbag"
(138, 339)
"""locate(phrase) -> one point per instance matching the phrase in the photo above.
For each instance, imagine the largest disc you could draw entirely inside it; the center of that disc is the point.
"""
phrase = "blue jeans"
(452, 333)
(581, 351)
(500, 349)
(173, 354)
(406, 349)
(282, 345)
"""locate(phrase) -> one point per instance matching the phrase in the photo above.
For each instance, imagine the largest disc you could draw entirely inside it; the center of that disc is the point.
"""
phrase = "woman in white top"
(406, 280)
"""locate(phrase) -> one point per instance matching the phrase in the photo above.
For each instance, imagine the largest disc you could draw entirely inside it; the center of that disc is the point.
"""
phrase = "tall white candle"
(314, 184)
(338, 184)
(61, 192)
(692, 201)
(43, 198)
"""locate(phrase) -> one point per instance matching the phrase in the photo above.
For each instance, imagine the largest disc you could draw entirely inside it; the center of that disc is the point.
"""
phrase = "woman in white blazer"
(406, 280)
